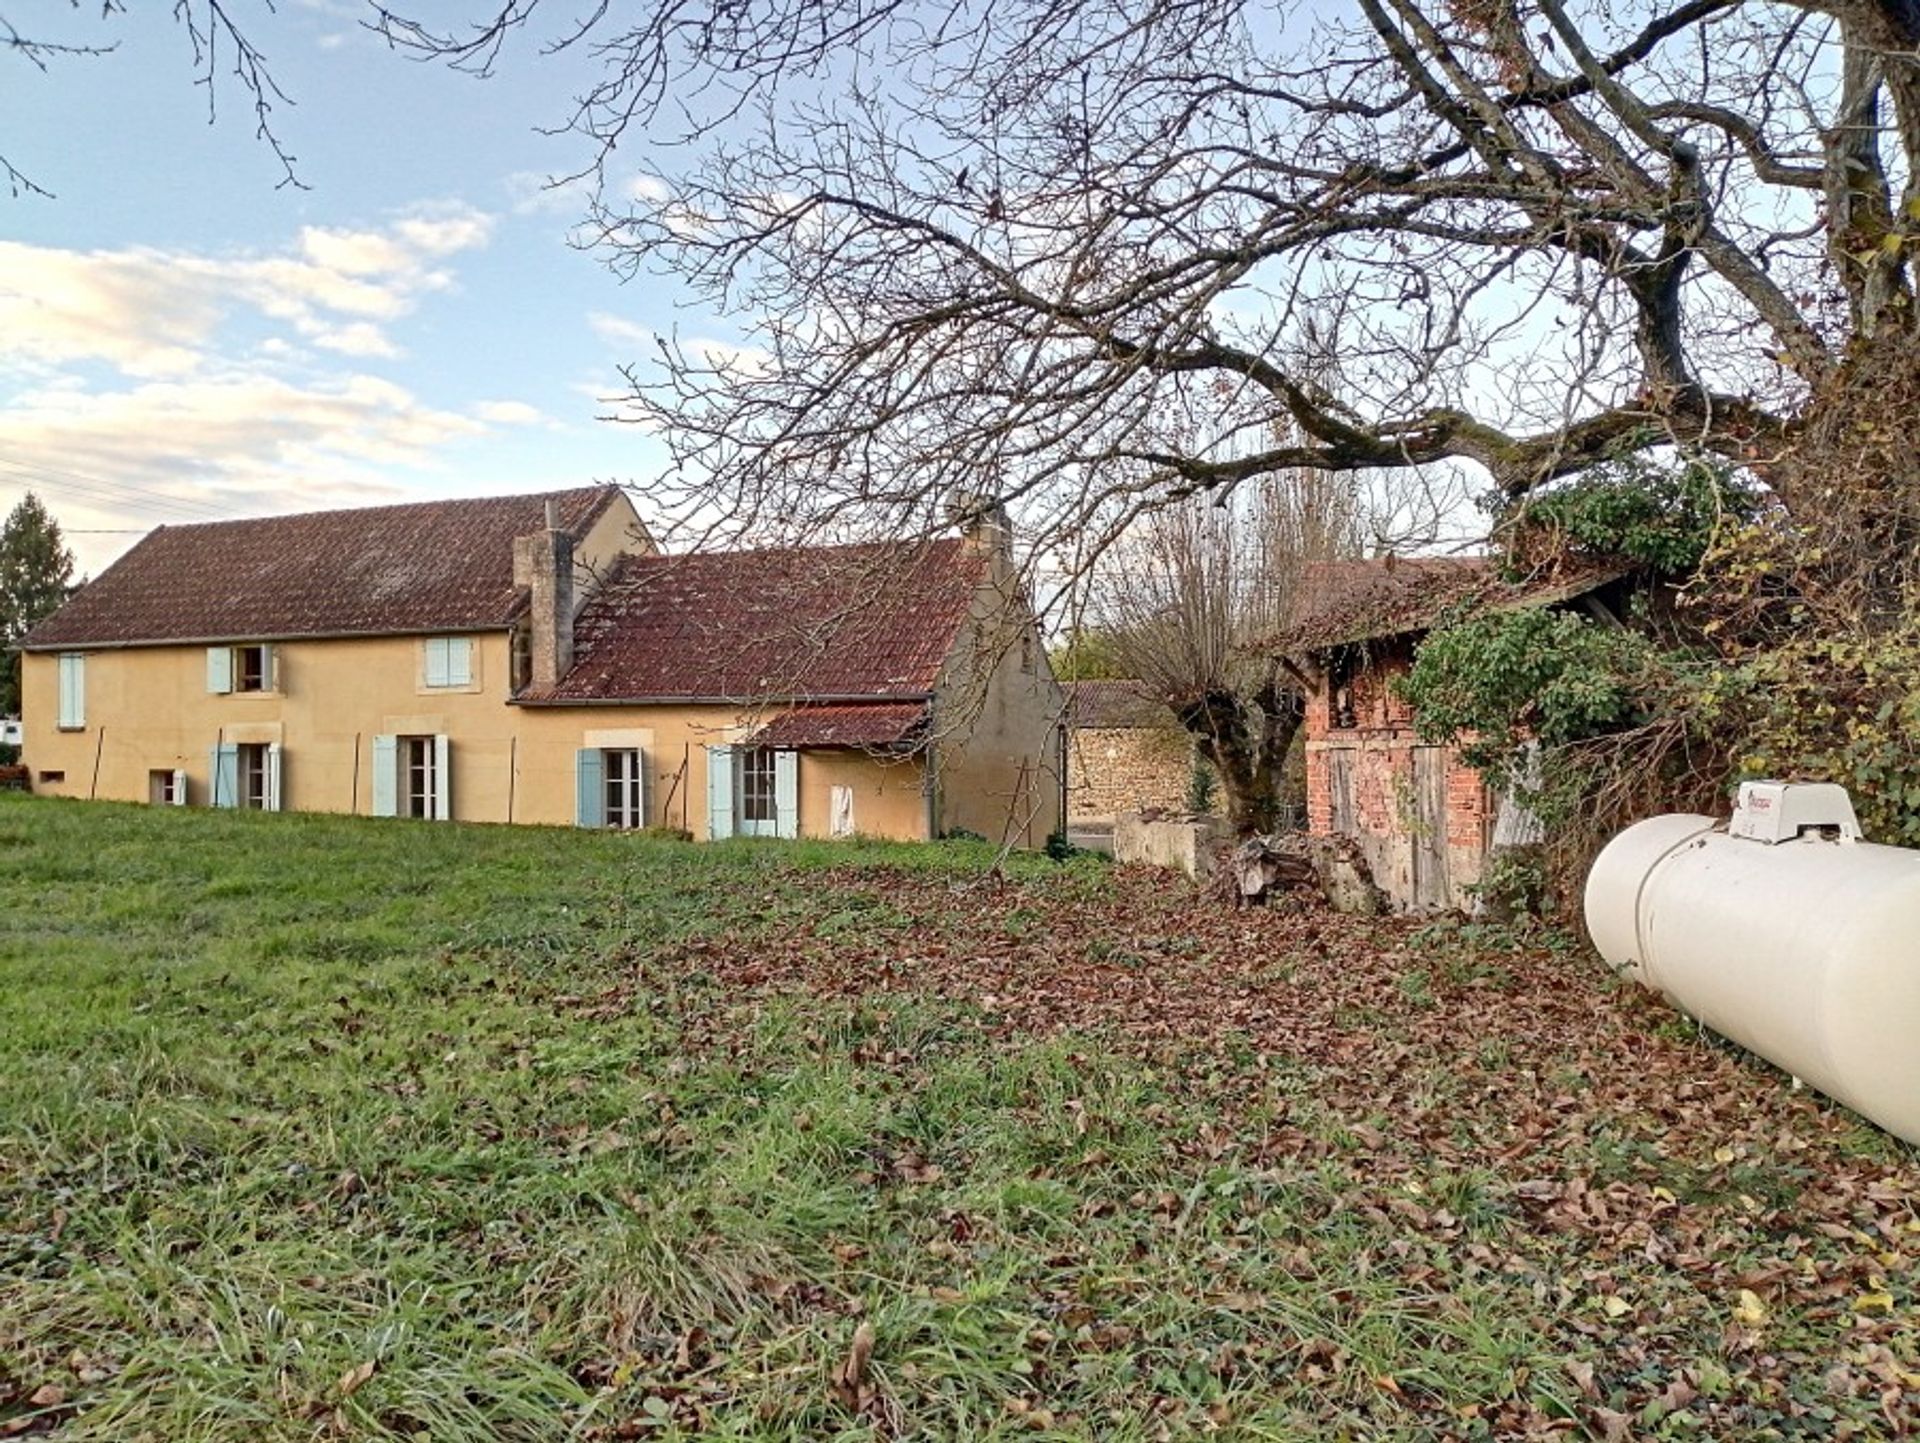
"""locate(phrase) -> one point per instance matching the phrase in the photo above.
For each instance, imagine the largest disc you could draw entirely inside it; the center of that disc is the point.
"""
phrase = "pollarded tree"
(1189, 596)
(36, 572)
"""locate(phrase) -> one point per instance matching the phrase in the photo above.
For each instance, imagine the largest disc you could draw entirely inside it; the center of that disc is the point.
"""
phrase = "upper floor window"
(449, 661)
(253, 667)
(73, 691)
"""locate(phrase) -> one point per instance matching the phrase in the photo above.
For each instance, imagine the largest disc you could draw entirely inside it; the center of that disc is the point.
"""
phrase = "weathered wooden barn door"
(1431, 889)
(1340, 789)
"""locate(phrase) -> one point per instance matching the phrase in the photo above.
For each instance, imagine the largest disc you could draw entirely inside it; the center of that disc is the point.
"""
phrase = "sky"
(182, 338)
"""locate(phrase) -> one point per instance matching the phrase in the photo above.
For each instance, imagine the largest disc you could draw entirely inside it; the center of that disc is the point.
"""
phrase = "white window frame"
(413, 777)
(757, 783)
(623, 773)
(257, 772)
(73, 691)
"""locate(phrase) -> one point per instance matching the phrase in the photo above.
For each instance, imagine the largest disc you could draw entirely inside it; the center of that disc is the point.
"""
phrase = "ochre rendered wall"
(997, 730)
(148, 709)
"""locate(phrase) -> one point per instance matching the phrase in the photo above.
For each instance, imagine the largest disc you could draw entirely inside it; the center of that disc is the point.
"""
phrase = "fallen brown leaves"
(1649, 1183)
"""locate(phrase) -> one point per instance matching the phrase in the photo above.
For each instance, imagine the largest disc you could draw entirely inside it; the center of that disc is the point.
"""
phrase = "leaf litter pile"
(850, 1143)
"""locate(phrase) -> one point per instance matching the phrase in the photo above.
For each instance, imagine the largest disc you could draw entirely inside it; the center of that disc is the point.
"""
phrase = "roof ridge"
(598, 488)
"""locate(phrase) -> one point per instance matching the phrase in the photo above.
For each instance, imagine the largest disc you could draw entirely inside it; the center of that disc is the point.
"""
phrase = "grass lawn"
(320, 1127)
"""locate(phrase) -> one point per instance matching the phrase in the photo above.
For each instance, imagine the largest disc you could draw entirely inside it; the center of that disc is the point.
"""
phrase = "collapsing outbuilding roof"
(1120, 705)
(1342, 603)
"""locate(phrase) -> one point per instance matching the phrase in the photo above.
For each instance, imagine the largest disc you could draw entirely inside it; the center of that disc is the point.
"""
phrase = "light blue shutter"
(786, 794)
(442, 779)
(223, 771)
(273, 777)
(220, 669)
(719, 792)
(590, 788)
(386, 776)
(459, 661)
(179, 786)
(436, 661)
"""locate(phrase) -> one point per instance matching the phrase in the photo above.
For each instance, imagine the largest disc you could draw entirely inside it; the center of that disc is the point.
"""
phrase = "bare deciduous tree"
(993, 240)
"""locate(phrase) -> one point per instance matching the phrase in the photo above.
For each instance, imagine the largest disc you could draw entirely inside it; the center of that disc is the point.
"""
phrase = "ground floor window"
(167, 788)
(753, 792)
(625, 791)
(759, 809)
(241, 774)
(419, 778)
(256, 785)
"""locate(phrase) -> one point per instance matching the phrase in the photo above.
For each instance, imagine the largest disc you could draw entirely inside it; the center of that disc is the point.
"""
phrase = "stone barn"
(1422, 817)
(1125, 753)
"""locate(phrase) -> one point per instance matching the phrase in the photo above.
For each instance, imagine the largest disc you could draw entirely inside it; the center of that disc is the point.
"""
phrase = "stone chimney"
(983, 523)
(543, 563)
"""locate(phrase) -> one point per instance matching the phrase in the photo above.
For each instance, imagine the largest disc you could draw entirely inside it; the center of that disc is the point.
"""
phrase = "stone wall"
(1111, 771)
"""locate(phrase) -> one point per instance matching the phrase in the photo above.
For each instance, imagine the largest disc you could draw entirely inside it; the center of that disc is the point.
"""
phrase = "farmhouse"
(1421, 816)
(537, 659)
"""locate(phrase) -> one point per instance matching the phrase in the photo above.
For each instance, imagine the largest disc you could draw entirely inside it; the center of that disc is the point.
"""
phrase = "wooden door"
(1432, 891)
(1340, 788)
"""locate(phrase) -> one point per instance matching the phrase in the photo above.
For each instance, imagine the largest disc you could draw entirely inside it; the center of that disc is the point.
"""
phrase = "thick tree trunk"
(1245, 739)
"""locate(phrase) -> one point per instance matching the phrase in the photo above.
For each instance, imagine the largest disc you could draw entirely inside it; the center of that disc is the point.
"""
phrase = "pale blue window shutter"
(719, 792)
(220, 669)
(459, 661)
(386, 776)
(436, 661)
(273, 777)
(786, 794)
(179, 786)
(223, 772)
(645, 765)
(270, 667)
(73, 690)
(442, 779)
(590, 787)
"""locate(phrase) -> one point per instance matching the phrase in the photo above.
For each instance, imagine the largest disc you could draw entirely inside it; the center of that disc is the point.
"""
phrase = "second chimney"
(543, 563)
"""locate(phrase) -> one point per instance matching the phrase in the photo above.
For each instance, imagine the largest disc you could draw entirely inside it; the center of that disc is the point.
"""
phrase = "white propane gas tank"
(1783, 931)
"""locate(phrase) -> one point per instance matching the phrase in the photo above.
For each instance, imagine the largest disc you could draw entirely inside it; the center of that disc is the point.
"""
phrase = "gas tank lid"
(1775, 812)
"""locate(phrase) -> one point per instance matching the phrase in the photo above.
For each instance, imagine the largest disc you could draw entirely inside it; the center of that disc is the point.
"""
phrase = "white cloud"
(141, 386)
(149, 313)
(359, 339)
(510, 413)
(621, 332)
(649, 188)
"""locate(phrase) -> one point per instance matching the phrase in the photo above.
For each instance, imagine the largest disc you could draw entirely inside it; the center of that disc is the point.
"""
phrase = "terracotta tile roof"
(877, 725)
(793, 624)
(1114, 706)
(1341, 602)
(430, 566)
